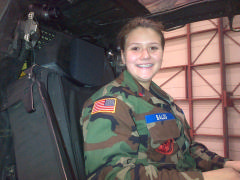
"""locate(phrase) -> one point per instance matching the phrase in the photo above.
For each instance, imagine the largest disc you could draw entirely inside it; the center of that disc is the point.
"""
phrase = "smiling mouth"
(144, 65)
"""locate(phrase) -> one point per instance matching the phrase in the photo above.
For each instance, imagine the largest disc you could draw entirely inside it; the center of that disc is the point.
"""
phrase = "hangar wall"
(201, 71)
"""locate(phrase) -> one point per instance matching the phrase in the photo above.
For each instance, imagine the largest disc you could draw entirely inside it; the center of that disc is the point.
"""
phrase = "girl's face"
(143, 54)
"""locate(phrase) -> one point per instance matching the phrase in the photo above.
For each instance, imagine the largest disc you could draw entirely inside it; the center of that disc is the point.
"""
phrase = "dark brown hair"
(139, 22)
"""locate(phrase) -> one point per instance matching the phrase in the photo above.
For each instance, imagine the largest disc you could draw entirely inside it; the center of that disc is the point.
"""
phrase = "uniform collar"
(157, 91)
(127, 80)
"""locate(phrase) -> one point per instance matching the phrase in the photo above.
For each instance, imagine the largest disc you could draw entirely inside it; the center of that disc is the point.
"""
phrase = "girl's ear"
(123, 57)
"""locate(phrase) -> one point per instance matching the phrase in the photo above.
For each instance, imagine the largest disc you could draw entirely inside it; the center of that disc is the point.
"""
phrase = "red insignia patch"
(166, 147)
(104, 105)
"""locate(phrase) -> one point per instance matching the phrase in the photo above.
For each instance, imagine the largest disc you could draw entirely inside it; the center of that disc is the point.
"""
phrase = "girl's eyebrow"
(137, 43)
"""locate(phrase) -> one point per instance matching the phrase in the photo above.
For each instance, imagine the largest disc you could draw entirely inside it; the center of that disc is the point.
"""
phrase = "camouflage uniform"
(132, 133)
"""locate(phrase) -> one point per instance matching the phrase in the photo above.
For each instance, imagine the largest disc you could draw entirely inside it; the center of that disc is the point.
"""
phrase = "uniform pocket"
(162, 126)
(162, 147)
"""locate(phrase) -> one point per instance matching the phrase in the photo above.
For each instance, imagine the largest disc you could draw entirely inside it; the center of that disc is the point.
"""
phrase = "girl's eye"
(154, 48)
(135, 48)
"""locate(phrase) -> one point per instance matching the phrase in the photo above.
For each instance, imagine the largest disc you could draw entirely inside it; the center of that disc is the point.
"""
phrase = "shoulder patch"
(104, 105)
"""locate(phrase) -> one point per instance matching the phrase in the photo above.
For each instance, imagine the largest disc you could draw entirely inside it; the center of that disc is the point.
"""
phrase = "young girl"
(133, 130)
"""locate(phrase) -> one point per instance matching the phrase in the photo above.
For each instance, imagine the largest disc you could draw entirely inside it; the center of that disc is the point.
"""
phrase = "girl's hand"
(233, 164)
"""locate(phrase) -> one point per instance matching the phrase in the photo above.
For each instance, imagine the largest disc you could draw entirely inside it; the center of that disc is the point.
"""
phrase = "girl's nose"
(145, 53)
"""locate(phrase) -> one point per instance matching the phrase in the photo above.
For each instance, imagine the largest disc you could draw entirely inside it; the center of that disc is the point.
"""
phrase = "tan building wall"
(201, 64)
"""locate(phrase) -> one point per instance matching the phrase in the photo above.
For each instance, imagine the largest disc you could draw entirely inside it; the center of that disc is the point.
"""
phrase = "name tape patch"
(159, 117)
(104, 105)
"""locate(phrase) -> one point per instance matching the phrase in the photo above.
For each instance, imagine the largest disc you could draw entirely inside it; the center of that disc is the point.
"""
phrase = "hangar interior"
(201, 70)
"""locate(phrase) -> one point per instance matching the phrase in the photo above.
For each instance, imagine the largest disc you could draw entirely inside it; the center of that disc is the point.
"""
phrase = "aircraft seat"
(44, 109)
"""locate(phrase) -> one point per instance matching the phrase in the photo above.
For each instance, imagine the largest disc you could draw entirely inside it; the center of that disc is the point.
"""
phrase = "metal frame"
(224, 99)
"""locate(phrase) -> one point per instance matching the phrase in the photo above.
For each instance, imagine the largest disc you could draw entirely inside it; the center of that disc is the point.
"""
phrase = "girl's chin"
(145, 78)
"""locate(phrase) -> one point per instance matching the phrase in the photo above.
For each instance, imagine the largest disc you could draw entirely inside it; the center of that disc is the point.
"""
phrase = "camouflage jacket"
(132, 133)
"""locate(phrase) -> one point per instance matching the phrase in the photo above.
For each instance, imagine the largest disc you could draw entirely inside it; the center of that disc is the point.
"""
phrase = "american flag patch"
(104, 105)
